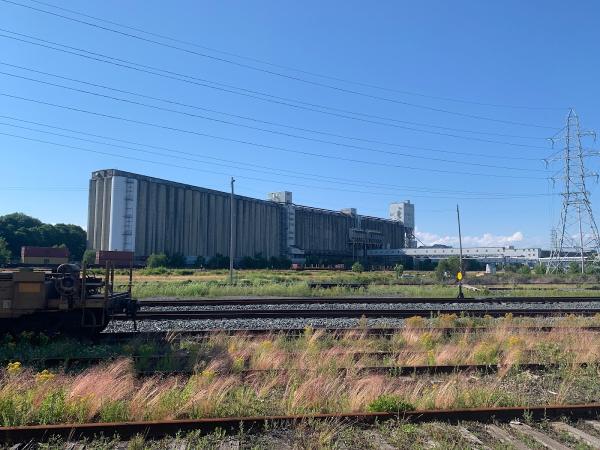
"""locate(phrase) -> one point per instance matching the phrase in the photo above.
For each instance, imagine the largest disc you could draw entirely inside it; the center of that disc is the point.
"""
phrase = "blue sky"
(472, 91)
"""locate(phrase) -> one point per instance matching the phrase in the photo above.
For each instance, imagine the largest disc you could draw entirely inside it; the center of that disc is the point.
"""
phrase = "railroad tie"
(504, 437)
(540, 437)
(577, 434)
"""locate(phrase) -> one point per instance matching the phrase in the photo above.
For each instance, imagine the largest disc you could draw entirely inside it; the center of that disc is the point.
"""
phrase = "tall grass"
(113, 392)
(310, 380)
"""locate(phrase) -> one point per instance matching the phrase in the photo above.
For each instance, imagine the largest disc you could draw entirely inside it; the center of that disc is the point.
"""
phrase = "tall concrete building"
(148, 215)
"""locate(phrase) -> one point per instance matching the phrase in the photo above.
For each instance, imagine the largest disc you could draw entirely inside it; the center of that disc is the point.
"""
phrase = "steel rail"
(390, 370)
(174, 335)
(246, 301)
(160, 429)
(354, 313)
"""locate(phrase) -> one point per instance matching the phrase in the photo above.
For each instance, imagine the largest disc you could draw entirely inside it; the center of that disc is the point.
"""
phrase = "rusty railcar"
(67, 299)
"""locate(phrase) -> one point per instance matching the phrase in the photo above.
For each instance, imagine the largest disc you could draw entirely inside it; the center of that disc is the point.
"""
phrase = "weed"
(389, 403)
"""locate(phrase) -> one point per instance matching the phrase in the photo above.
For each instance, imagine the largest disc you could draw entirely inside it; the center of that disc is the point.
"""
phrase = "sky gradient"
(342, 103)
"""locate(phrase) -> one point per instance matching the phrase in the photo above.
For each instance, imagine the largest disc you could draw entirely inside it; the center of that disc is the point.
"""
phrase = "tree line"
(18, 229)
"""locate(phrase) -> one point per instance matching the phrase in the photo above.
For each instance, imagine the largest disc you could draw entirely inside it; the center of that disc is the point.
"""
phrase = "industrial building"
(131, 212)
(482, 254)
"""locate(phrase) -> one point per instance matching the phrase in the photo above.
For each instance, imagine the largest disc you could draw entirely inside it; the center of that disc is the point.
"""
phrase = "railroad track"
(248, 301)
(160, 429)
(354, 313)
(390, 370)
(334, 332)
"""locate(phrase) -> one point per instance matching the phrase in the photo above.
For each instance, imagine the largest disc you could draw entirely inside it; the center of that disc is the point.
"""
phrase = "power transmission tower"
(577, 233)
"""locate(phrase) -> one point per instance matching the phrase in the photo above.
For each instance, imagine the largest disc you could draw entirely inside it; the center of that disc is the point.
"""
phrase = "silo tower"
(405, 212)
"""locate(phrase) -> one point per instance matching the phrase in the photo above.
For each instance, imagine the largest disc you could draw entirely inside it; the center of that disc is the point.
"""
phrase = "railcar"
(66, 299)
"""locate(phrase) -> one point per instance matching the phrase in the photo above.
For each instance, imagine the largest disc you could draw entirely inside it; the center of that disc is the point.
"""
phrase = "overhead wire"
(294, 172)
(258, 145)
(266, 122)
(279, 74)
(322, 141)
(164, 163)
(296, 69)
(297, 104)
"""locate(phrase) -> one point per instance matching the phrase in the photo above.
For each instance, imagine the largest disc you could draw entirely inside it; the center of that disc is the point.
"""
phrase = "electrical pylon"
(577, 233)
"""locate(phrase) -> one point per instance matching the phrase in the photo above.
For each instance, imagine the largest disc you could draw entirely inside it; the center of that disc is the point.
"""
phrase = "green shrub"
(399, 269)
(524, 270)
(357, 267)
(89, 257)
(157, 260)
(389, 403)
(176, 260)
(218, 262)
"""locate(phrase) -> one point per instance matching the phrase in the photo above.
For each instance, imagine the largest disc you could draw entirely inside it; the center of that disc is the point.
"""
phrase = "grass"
(310, 382)
(162, 282)
(420, 342)
(113, 392)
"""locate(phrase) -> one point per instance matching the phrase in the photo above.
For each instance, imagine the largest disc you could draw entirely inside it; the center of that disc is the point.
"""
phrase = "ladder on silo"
(128, 217)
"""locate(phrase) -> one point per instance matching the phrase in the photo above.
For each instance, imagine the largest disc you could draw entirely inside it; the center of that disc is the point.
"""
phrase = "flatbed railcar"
(65, 299)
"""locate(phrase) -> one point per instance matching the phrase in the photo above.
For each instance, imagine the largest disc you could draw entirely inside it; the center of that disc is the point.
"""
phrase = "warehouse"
(148, 215)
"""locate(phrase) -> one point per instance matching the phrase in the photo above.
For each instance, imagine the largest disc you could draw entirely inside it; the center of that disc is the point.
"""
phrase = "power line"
(281, 66)
(62, 77)
(42, 188)
(162, 164)
(302, 105)
(296, 173)
(339, 144)
(255, 144)
(279, 74)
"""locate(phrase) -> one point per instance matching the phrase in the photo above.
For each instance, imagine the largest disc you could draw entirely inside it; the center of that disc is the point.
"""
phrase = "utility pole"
(460, 269)
(232, 232)
(577, 229)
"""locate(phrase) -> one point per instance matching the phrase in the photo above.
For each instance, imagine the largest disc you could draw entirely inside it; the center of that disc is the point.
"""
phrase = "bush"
(574, 268)
(539, 269)
(389, 403)
(449, 266)
(357, 267)
(399, 269)
(89, 257)
(176, 260)
(218, 262)
(157, 260)
(524, 270)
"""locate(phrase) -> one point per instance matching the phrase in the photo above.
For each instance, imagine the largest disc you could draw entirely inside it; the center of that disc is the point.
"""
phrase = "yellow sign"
(459, 276)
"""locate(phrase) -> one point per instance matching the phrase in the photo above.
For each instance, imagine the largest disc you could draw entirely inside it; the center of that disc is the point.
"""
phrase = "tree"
(399, 269)
(357, 267)
(5, 253)
(20, 230)
(539, 269)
